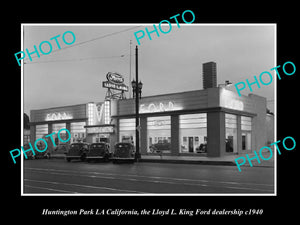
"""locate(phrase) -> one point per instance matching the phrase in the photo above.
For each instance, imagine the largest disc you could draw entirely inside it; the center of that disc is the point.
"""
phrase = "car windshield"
(97, 146)
(75, 146)
(78, 146)
(123, 145)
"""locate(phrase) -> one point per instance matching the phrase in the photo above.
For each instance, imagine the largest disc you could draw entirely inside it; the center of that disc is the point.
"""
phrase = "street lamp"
(139, 86)
(137, 93)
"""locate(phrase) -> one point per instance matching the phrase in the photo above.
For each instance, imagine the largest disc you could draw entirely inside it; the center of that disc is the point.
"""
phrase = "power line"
(79, 59)
(94, 39)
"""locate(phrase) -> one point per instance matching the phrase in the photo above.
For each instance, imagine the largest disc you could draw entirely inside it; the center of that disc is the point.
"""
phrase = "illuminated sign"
(120, 87)
(158, 107)
(58, 116)
(115, 81)
(114, 78)
(107, 112)
(95, 112)
(160, 123)
(100, 130)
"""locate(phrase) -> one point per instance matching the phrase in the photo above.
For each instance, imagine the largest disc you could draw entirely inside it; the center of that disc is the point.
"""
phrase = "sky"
(169, 63)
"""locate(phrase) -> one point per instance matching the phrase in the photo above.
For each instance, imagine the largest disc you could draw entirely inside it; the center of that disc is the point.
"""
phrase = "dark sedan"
(98, 151)
(124, 152)
(77, 151)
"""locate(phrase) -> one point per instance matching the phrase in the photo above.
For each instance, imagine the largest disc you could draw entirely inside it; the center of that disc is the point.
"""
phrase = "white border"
(147, 24)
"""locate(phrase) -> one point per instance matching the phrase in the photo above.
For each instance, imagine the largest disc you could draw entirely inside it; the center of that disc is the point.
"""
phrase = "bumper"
(95, 157)
(73, 156)
(119, 158)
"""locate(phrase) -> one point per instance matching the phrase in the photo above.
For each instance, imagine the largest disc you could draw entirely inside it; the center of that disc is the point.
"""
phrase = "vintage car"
(202, 148)
(98, 151)
(61, 148)
(42, 155)
(77, 151)
(37, 154)
(160, 146)
(29, 154)
(123, 152)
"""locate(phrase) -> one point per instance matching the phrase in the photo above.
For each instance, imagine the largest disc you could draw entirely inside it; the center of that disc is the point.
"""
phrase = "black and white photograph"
(137, 113)
(191, 125)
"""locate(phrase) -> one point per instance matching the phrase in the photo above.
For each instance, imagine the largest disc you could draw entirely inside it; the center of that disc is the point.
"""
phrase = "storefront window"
(100, 138)
(246, 127)
(193, 133)
(159, 134)
(78, 132)
(127, 130)
(41, 131)
(55, 128)
(231, 132)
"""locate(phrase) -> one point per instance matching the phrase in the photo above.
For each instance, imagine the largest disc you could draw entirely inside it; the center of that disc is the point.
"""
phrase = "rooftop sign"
(115, 81)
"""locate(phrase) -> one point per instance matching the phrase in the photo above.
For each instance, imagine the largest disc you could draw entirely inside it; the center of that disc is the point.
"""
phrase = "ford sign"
(114, 78)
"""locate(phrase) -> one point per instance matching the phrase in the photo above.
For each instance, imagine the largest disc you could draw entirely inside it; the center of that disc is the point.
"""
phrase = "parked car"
(77, 151)
(37, 154)
(161, 145)
(123, 152)
(42, 155)
(98, 151)
(62, 148)
(202, 148)
(29, 154)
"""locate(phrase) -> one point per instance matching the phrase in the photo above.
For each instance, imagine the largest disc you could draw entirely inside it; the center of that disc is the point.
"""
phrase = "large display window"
(127, 130)
(55, 128)
(231, 132)
(41, 131)
(246, 127)
(193, 133)
(77, 131)
(159, 134)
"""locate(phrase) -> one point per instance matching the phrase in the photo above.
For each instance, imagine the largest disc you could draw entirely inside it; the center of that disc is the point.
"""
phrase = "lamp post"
(137, 93)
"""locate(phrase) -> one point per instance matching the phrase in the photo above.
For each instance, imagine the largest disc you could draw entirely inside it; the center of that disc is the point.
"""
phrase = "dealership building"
(211, 122)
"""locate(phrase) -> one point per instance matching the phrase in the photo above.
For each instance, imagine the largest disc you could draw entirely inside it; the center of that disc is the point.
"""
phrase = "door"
(191, 144)
(229, 144)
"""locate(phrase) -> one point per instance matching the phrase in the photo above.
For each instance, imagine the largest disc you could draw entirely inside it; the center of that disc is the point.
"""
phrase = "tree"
(26, 121)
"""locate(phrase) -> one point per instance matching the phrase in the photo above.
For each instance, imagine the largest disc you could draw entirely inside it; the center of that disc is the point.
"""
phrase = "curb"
(202, 162)
(182, 161)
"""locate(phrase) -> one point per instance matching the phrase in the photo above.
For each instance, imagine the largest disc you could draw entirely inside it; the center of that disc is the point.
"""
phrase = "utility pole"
(130, 91)
(137, 115)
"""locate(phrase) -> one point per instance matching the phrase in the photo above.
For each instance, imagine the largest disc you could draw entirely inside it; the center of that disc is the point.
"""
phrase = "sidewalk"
(228, 160)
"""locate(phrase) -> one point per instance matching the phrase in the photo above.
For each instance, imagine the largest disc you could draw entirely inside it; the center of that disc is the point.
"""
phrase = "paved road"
(60, 177)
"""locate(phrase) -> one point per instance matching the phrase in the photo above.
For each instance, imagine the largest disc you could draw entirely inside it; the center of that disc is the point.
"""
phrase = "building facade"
(86, 123)
(212, 122)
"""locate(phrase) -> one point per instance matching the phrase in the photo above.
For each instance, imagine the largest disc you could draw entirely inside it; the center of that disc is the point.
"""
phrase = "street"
(60, 177)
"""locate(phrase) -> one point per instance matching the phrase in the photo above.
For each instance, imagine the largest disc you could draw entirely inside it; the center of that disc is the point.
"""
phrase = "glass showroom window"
(78, 132)
(55, 128)
(193, 133)
(127, 130)
(159, 134)
(231, 132)
(41, 132)
(246, 127)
